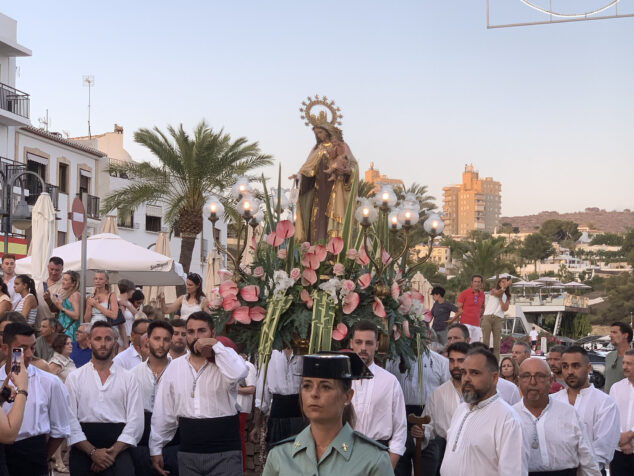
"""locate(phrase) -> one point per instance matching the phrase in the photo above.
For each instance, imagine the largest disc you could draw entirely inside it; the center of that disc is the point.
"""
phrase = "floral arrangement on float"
(308, 295)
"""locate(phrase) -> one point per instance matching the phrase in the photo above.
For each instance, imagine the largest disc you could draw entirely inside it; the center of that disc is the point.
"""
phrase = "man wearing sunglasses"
(471, 307)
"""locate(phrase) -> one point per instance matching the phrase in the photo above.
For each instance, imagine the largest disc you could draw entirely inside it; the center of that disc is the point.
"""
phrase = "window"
(84, 183)
(36, 164)
(62, 178)
(125, 220)
(61, 238)
(152, 223)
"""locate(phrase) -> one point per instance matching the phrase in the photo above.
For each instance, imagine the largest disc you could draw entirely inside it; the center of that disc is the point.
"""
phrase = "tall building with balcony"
(475, 204)
(375, 177)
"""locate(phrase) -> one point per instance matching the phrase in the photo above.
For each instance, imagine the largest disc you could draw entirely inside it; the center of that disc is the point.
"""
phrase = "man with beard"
(106, 411)
(507, 391)
(554, 439)
(484, 432)
(137, 351)
(46, 415)
(178, 347)
(197, 397)
(598, 411)
(440, 408)
(554, 362)
(623, 394)
(621, 339)
(148, 375)
(379, 403)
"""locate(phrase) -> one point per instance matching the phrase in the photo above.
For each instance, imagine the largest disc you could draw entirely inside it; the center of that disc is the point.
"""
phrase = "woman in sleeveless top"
(189, 303)
(27, 303)
(68, 303)
(5, 298)
(102, 305)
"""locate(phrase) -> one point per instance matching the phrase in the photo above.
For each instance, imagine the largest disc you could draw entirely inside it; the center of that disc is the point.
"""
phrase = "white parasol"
(43, 239)
(151, 292)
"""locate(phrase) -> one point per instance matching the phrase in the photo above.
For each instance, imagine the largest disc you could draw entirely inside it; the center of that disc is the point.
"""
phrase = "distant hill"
(595, 218)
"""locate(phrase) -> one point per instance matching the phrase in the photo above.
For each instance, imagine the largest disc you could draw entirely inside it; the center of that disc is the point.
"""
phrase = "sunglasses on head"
(194, 278)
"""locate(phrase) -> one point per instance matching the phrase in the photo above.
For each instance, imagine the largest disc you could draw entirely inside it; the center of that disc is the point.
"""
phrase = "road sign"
(78, 217)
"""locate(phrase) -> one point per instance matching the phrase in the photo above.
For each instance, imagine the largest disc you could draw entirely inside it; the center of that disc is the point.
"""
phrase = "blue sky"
(424, 87)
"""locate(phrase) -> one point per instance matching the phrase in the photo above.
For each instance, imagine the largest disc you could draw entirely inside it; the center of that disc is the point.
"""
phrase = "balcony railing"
(92, 207)
(14, 100)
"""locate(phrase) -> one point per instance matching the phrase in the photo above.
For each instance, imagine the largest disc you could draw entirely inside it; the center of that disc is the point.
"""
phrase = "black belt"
(385, 443)
(102, 435)
(28, 456)
(147, 427)
(209, 435)
(285, 406)
(559, 472)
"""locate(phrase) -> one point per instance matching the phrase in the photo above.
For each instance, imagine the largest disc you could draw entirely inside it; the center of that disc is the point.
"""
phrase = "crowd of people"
(121, 390)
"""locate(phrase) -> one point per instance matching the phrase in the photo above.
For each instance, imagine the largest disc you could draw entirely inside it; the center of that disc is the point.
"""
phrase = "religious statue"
(327, 176)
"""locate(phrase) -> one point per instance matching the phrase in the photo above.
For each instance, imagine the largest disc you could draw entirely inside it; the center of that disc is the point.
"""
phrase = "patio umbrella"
(151, 292)
(502, 275)
(43, 239)
(119, 257)
(213, 262)
(109, 225)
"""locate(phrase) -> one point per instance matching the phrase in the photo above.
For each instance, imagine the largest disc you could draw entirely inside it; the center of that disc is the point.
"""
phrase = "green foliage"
(610, 239)
(628, 247)
(560, 230)
(620, 291)
(575, 325)
(536, 247)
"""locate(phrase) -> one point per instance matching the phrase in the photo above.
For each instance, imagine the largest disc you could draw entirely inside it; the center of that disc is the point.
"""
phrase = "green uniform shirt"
(613, 370)
(350, 454)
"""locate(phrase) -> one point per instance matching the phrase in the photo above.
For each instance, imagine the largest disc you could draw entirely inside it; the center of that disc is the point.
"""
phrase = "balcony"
(14, 106)
(92, 207)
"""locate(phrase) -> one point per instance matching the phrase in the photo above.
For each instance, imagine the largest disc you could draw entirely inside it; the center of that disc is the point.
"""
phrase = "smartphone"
(45, 286)
(15, 360)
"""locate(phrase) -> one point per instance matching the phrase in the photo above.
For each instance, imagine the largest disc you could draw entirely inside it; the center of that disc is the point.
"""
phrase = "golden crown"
(321, 118)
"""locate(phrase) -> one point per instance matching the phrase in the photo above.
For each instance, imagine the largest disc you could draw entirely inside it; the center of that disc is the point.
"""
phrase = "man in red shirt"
(471, 306)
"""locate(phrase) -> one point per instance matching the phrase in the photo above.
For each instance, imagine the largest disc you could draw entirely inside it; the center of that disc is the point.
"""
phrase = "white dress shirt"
(128, 359)
(493, 307)
(483, 441)
(283, 377)
(508, 391)
(600, 416)
(380, 408)
(441, 406)
(245, 402)
(435, 373)
(46, 411)
(118, 400)
(148, 383)
(182, 392)
(560, 439)
(623, 394)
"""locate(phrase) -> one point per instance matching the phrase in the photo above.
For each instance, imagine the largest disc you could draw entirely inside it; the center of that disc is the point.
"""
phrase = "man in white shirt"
(484, 432)
(520, 352)
(178, 348)
(246, 390)
(197, 396)
(623, 394)
(554, 437)
(598, 411)
(8, 276)
(507, 390)
(46, 415)
(148, 375)
(49, 287)
(379, 402)
(106, 411)
(440, 407)
(533, 334)
(458, 333)
(279, 398)
(435, 372)
(137, 351)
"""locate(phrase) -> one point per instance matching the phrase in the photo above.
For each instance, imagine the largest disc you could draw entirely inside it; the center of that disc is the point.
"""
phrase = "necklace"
(196, 377)
(535, 420)
(479, 406)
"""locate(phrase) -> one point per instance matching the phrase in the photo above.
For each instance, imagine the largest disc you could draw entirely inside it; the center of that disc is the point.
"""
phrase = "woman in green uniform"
(329, 446)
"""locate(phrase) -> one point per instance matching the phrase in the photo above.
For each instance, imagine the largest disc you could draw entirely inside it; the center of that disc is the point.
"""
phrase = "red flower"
(405, 326)
(363, 259)
(274, 240)
(230, 303)
(228, 288)
(306, 299)
(335, 245)
(309, 277)
(284, 229)
(257, 313)
(241, 315)
(377, 307)
(364, 280)
(395, 290)
(250, 293)
(340, 332)
(350, 302)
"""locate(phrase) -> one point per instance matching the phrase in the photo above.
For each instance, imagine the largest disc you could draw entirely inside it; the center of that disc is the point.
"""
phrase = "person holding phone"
(10, 422)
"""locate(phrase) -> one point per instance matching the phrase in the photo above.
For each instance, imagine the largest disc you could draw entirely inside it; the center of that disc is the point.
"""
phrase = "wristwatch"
(92, 452)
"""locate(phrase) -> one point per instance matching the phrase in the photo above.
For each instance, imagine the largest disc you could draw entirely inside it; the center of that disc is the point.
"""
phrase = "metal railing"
(14, 100)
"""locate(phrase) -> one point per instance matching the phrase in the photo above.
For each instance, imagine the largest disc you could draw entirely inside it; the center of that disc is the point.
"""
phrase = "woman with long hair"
(189, 303)
(329, 445)
(27, 302)
(496, 304)
(5, 298)
(509, 370)
(102, 305)
(68, 304)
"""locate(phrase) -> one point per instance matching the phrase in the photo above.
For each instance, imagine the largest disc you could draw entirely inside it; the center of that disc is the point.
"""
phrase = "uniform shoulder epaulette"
(290, 439)
(369, 440)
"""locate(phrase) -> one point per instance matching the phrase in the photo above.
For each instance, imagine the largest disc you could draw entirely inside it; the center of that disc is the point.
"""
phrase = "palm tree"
(191, 170)
(485, 257)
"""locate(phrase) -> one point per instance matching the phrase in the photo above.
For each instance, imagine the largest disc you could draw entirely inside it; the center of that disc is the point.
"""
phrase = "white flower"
(331, 287)
(281, 282)
(416, 311)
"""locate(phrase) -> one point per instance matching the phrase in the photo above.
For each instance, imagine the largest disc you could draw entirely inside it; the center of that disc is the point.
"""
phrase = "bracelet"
(22, 392)
(92, 452)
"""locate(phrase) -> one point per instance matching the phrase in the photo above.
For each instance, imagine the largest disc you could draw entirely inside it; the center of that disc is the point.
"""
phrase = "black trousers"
(143, 464)
(431, 455)
(27, 457)
(622, 464)
(101, 435)
(561, 472)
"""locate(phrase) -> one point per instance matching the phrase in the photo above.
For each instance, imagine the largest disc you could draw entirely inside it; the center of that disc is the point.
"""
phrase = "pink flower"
(230, 302)
(347, 285)
(314, 256)
(340, 332)
(241, 315)
(214, 300)
(364, 280)
(406, 303)
(295, 274)
(309, 276)
(396, 334)
(427, 317)
(395, 290)
(282, 253)
(377, 307)
(338, 269)
(335, 245)
(258, 272)
(274, 240)
(304, 247)
(352, 254)
(385, 257)
(253, 245)
(350, 302)
(418, 296)
(257, 313)
(321, 252)
(250, 293)
(228, 288)
(306, 299)
(224, 274)
(405, 326)
(285, 229)
(363, 259)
